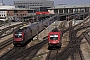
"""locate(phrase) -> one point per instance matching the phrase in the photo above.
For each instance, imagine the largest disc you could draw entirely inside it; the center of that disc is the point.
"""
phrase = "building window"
(22, 6)
(56, 11)
(81, 10)
(86, 9)
(15, 11)
(4, 12)
(41, 5)
(60, 10)
(8, 11)
(17, 14)
(65, 10)
(70, 10)
(30, 11)
(76, 10)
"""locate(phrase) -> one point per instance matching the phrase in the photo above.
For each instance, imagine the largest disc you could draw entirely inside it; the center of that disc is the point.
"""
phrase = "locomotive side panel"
(34, 31)
(40, 27)
(28, 34)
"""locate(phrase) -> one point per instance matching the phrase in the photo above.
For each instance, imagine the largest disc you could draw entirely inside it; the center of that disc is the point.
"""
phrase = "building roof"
(20, 9)
(69, 6)
(32, 0)
(6, 7)
(12, 8)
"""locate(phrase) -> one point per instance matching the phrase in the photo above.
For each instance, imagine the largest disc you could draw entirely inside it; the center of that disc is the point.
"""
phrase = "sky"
(56, 2)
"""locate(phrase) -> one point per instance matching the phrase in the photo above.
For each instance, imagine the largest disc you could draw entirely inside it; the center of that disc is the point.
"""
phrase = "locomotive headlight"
(58, 41)
(19, 34)
(22, 39)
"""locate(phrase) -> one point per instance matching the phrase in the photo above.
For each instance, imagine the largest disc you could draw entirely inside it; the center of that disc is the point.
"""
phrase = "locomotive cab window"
(54, 37)
(18, 35)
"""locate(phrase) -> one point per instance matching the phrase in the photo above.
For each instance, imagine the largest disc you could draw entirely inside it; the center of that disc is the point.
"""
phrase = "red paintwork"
(19, 39)
(54, 41)
(42, 12)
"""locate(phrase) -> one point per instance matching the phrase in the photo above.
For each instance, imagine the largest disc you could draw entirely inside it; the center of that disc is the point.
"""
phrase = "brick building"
(11, 13)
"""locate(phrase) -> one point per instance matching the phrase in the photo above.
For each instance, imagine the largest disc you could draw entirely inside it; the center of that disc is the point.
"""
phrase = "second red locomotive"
(54, 39)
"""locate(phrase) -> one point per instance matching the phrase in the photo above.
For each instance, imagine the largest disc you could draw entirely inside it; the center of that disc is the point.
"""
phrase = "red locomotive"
(21, 36)
(26, 34)
(54, 39)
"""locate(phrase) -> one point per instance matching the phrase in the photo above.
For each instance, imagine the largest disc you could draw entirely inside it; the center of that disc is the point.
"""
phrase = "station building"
(63, 8)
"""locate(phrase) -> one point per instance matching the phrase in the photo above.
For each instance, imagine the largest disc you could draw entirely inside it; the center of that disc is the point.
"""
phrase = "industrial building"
(3, 10)
(63, 8)
(33, 4)
(11, 13)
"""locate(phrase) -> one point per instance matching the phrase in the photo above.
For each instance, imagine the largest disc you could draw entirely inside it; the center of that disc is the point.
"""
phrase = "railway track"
(87, 37)
(75, 40)
(53, 53)
(77, 51)
(10, 32)
(19, 53)
(72, 50)
(74, 43)
(77, 55)
(66, 52)
(32, 51)
(6, 43)
(11, 52)
(8, 28)
(23, 52)
(86, 20)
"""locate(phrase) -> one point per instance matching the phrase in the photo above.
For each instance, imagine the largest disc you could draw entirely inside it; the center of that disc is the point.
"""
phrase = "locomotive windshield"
(18, 35)
(54, 37)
